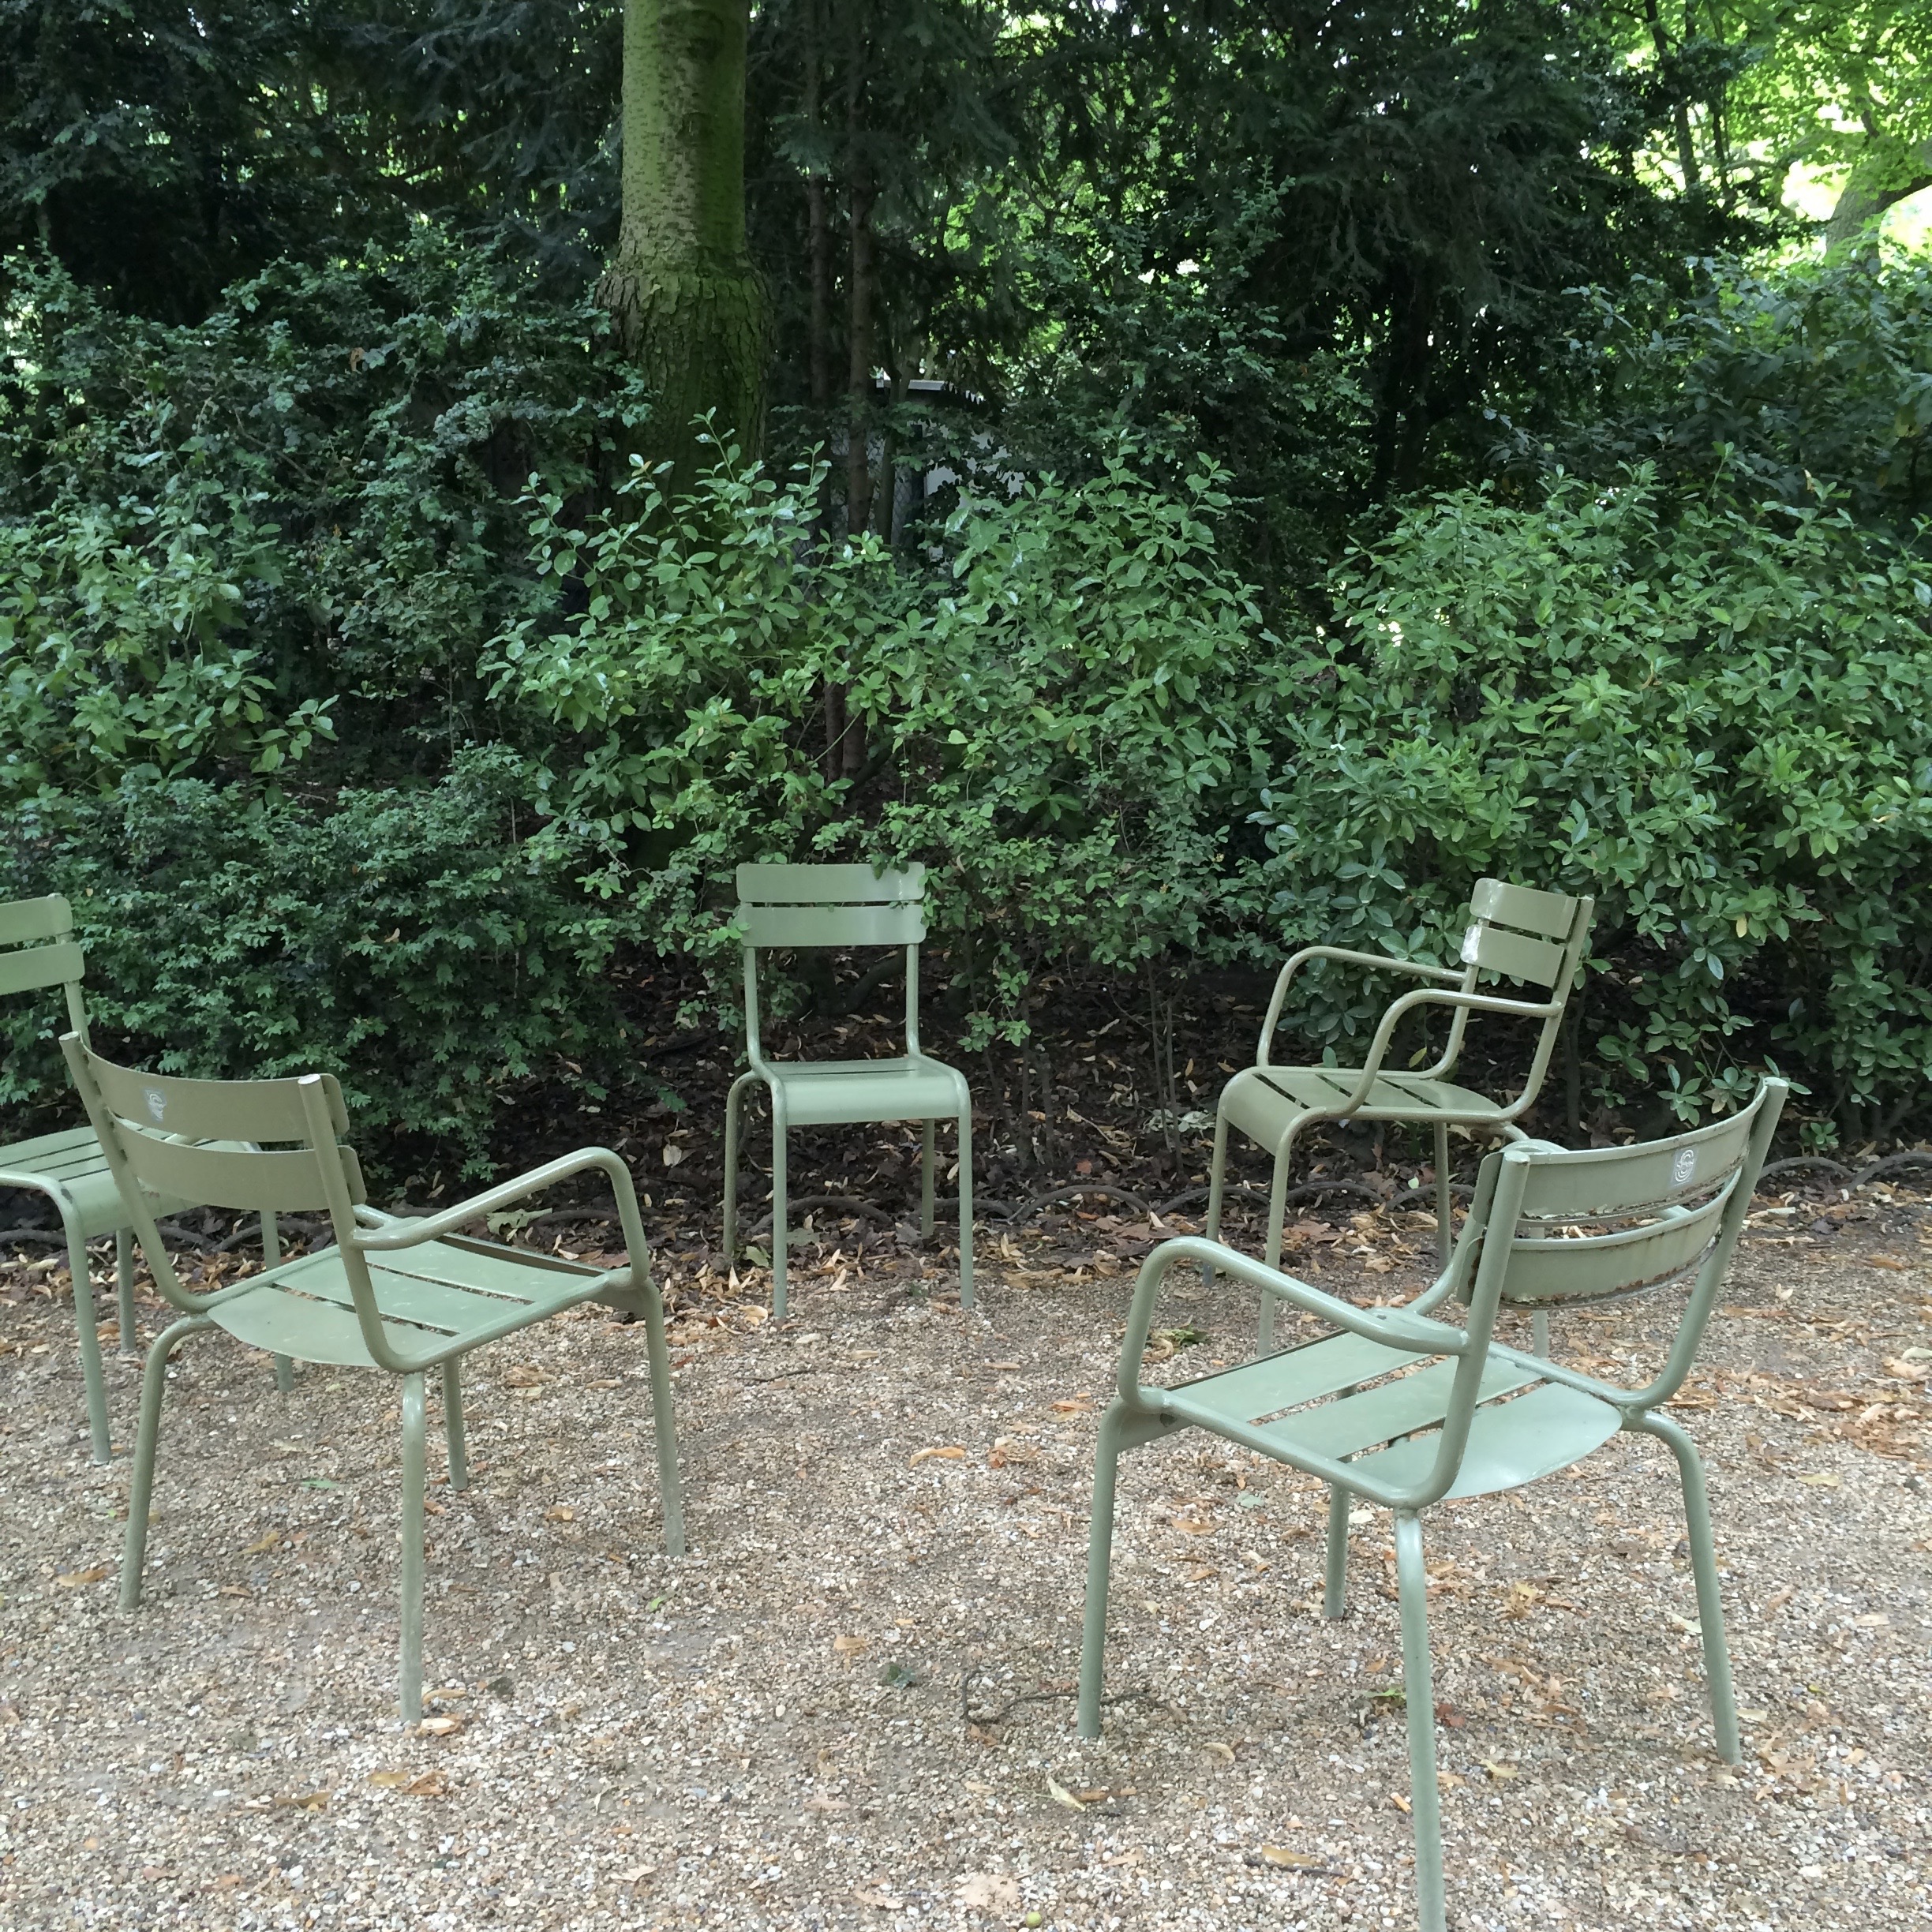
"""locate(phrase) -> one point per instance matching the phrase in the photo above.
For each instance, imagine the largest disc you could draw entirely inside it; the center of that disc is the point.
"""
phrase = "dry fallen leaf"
(1073, 1405)
(879, 1899)
(1499, 1771)
(559, 1512)
(849, 1646)
(306, 1801)
(1887, 1261)
(73, 1579)
(441, 1727)
(949, 1454)
(417, 1784)
(988, 1891)
(1823, 1479)
(521, 1375)
(1294, 1861)
(263, 1545)
(1193, 1525)
(673, 1154)
(1061, 1796)
(1215, 1748)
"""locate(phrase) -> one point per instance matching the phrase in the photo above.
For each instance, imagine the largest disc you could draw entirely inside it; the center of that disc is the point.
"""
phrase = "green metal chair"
(1515, 932)
(69, 1167)
(403, 1296)
(1404, 1410)
(798, 906)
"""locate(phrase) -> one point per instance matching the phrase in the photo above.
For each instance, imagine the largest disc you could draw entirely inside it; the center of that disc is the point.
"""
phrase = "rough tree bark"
(1871, 188)
(691, 308)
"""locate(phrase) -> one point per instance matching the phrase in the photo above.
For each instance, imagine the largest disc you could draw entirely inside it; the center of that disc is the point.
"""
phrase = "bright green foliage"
(1719, 724)
(1067, 700)
(404, 940)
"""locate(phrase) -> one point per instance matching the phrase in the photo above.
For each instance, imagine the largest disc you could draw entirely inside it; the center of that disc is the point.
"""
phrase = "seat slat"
(262, 1111)
(829, 885)
(1295, 1375)
(1583, 1182)
(34, 967)
(823, 1092)
(1509, 1442)
(445, 1306)
(1553, 915)
(310, 1328)
(1418, 1401)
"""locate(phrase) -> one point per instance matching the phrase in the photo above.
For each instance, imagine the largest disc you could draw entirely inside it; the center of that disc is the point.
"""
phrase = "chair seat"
(819, 1091)
(1263, 1101)
(71, 1163)
(1352, 1399)
(428, 1297)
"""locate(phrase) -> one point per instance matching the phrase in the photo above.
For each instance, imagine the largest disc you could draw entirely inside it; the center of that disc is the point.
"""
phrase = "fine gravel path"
(850, 1705)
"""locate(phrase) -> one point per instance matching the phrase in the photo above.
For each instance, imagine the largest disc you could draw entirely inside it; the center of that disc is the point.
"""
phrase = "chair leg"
(1445, 1213)
(1539, 1332)
(453, 1423)
(271, 1257)
(414, 1470)
(1277, 1208)
(1419, 1695)
(1099, 1562)
(734, 1112)
(141, 1491)
(1335, 1574)
(1704, 1567)
(124, 1290)
(658, 1355)
(965, 1206)
(1217, 1181)
(89, 1338)
(781, 1232)
(927, 1219)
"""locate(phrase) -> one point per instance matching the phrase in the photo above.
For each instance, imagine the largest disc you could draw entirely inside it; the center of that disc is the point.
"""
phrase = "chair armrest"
(1431, 996)
(1379, 961)
(401, 1234)
(1416, 1334)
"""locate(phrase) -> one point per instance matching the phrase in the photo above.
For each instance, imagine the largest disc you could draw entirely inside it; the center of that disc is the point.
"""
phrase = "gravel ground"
(849, 1704)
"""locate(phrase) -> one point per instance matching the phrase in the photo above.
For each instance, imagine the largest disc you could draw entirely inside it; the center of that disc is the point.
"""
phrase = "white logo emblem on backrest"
(1471, 940)
(1683, 1167)
(157, 1102)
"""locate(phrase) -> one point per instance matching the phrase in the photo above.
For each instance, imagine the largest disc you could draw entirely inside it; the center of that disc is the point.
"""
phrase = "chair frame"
(1549, 1192)
(312, 1169)
(42, 953)
(1548, 946)
(815, 907)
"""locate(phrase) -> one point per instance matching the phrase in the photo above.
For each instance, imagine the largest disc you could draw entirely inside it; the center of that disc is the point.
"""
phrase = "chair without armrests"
(800, 906)
(1402, 1410)
(1514, 931)
(69, 1168)
(405, 1297)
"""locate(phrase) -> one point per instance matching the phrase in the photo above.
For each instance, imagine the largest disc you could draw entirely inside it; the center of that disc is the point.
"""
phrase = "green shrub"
(408, 941)
(1720, 724)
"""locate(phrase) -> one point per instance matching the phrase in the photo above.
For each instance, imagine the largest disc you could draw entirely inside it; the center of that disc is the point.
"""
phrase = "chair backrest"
(1596, 1222)
(1519, 933)
(831, 905)
(43, 951)
(263, 1146)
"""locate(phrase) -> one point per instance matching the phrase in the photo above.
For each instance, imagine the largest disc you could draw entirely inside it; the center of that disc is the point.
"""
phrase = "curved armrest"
(1434, 996)
(1379, 961)
(1396, 1327)
(399, 1234)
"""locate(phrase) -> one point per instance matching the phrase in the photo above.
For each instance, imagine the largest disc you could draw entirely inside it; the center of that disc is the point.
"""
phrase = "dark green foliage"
(410, 941)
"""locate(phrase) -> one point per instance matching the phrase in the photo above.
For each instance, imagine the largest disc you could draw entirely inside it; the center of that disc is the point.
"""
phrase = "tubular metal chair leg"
(414, 1471)
(781, 1232)
(88, 1337)
(965, 1206)
(1278, 1206)
(141, 1491)
(1335, 1574)
(734, 1112)
(1445, 1212)
(453, 1423)
(1539, 1332)
(1704, 1567)
(670, 1497)
(1217, 1181)
(1099, 1562)
(271, 1254)
(124, 1290)
(1418, 1692)
(926, 1216)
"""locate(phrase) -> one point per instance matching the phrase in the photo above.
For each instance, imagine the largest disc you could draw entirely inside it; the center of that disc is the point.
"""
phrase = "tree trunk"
(1873, 186)
(858, 303)
(690, 307)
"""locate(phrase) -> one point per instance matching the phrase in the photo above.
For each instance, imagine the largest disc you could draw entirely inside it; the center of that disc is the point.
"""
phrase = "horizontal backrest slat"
(831, 925)
(41, 966)
(23, 921)
(1550, 1268)
(266, 1180)
(1584, 1183)
(1512, 955)
(829, 885)
(1553, 915)
(200, 1110)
